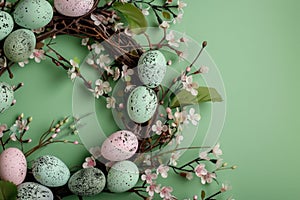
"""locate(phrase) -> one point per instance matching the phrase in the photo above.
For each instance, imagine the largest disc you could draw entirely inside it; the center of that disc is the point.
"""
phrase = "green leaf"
(205, 94)
(202, 194)
(8, 191)
(166, 15)
(134, 16)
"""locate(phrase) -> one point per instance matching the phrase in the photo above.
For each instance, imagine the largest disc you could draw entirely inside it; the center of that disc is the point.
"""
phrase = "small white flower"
(204, 69)
(23, 63)
(145, 11)
(190, 86)
(72, 73)
(127, 73)
(194, 117)
(103, 60)
(170, 37)
(174, 157)
(111, 102)
(159, 127)
(217, 151)
(38, 55)
(101, 88)
(181, 5)
(163, 171)
(97, 47)
(164, 24)
(118, 26)
(179, 138)
(85, 41)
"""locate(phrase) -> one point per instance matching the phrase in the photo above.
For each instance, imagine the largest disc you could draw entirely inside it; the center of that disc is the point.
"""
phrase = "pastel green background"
(255, 45)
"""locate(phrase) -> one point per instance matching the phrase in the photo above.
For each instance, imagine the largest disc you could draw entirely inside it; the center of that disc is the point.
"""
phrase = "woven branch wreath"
(153, 115)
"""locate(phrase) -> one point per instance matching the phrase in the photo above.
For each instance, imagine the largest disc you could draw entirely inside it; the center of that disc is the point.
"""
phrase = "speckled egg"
(121, 145)
(141, 104)
(122, 176)
(33, 14)
(152, 68)
(50, 171)
(31, 191)
(13, 166)
(19, 45)
(6, 96)
(87, 182)
(74, 8)
(6, 24)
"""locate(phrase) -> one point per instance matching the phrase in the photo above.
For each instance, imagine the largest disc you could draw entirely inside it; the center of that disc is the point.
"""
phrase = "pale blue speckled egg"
(122, 176)
(6, 24)
(152, 68)
(31, 191)
(141, 104)
(19, 45)
(87, 182)
(50, 171)
(6, 96)
(33, 14)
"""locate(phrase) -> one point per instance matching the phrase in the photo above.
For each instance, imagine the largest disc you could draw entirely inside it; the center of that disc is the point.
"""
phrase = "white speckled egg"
(50, 171)
(121, 145)
(87, 182)
(33, 14)
(152, 68)
(74, 8)
(13, 166)
(6, 96)
(6, 24)
(30, 191)
(122, 176)
(19, 45)
(141, 104)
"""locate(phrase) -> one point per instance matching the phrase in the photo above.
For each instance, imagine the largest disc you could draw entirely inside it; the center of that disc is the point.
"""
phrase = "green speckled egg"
(6, 96)
(6, 24)
(87, 182)
(50, 171)
(122, 176)
(19, 45)
(141, 104)
(30, 191)
(33, 14)
(152, 68)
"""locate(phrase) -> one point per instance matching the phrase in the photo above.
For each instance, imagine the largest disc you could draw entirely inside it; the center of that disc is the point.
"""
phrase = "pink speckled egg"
(119, 146)
(13, 166)
(74, 8)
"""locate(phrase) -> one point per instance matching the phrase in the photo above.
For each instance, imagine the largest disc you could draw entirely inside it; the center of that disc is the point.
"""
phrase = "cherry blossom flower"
(204, 155)
(126, 73)
(97, 47)
(159, 127)
(72, 73)
(128, 88)
(179, 138)
(194, 117)
(219, 163)
(85, 41)
(38, 55)
(200, 170)
(23, 63)
(190, 86)
(95, 151)
(217, 151)
(225, 187)
(148, 176)
(181, 5)
(163, 170)
(101, 88)
(116, 74)
(147, 160)
(19, 127)
(180, 117)
(99, 19)
(3, 127)
(111, 102)
(204, 69)
(152, 189)
(189, 176)
(178, 18)
(103, 60)
(90, 61)
(169, 112)
(170, 37)
(164, 25)
(89, 162)
(145, 11)
(165, 192)
(208, 178)
(174, 158)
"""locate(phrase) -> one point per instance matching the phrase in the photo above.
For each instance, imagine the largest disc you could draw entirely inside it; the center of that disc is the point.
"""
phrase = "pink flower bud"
(121, 105)
(54, 136)
(169, 62)
(168, 110)
(26, 128)
(188, 69)
(57, 130)
(75, 142)
(195, 197)
(29, 140)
